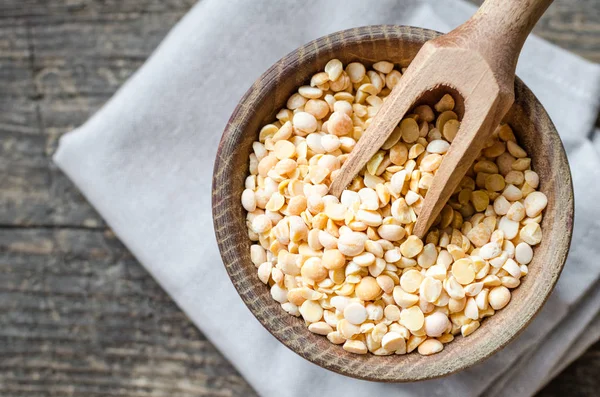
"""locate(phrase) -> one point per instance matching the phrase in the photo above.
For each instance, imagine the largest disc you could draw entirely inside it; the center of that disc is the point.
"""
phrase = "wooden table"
(79, 316)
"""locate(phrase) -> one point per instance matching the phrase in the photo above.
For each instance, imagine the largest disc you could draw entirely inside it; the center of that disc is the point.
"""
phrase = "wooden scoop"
(477, 60)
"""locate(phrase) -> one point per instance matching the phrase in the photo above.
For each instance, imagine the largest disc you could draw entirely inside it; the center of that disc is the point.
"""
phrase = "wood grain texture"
(398, 44)
(80, 317)
(45, 354)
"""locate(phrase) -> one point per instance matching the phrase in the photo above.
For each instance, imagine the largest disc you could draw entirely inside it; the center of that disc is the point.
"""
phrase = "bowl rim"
(263, 84)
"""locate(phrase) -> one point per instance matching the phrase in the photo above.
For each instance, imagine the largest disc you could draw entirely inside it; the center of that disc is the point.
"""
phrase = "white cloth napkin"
(145, 161)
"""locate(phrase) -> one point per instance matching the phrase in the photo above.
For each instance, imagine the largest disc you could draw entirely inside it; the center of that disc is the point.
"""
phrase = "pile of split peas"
(351, 267)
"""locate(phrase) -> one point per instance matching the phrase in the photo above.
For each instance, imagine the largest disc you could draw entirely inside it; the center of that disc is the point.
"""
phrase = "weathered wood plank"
(81, 317)
(75, 8)
(18, 116)
(32, 190)
(15, 61)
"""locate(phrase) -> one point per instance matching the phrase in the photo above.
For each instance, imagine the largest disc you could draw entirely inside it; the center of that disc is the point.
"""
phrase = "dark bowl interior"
(398, 44)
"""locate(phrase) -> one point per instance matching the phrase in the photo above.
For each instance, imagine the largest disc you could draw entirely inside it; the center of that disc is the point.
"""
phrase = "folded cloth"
(145, 159)
(596, 139)
(590, 336)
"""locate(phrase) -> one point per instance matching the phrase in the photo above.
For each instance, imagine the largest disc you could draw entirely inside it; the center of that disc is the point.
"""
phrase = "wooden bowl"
(258, 107)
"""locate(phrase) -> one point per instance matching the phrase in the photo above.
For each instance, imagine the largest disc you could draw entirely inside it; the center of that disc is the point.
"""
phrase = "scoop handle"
(498, 31)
